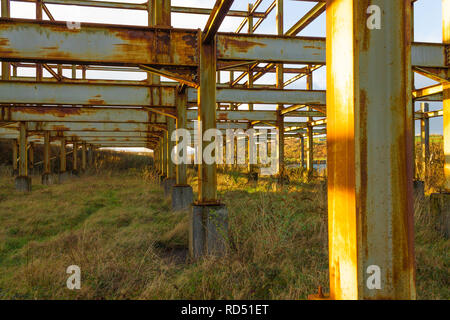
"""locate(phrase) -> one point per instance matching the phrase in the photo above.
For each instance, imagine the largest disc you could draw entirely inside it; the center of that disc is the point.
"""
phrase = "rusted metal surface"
(446, 93)
(24, 92)
(425, 139)
(62, 155)
(70, 114)
(23, 154)
(95, 127)
(218, 14)
(265, 96)
(45, 41)
(370, 205)
(182, 123)
(47, 152)
(207, 178)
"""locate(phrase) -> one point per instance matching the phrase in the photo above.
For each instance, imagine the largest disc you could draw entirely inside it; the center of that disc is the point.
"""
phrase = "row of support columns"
(23, 160)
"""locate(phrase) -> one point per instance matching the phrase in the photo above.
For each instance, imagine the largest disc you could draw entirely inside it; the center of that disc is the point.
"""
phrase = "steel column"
(370, 207)
(14, 156)
(83, 156)
(31, 156)
(47, 152)
(62, 156)
(171, 171)
(5, 65)
(207, 179)
(165, 155)
(279, 85)
(446, 94)
(424, 139)
(75, 156)
(23, 157)
(181, 169)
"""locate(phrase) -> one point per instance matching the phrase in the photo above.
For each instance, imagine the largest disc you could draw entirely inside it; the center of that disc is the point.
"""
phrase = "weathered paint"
(446, 93)
(207, 178)
(86, 114)
(23, 154)
(49, 41)
(25, 92)
(369, 114)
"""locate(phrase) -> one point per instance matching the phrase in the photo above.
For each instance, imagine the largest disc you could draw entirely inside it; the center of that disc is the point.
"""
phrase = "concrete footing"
(182, 197)
(168, 186)
(47, 179)
(208, 230)
(63, 177)
(440, 210)
(23, 184)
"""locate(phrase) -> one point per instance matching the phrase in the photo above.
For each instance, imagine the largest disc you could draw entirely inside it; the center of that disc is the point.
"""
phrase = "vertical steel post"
(14, 156)
(171, 170)
(424, 138)
(31, 156)
(164, 152)
(446, 93)
(279, 85)
(310, 151)
(62, 156)
(181, 169)
(207, 179)
(23, 157)
(83, 156)
(47, 152)
(370, 189)
(309, 130)
(250, 149)
(302, 150)
(75, 156)
(6, 65)
(39, 70)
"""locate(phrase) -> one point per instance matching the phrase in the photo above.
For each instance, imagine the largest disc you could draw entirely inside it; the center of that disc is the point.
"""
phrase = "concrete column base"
(208, 230)
(182, 197)
(440, 210)
(63, 177)
(168, 186)
(47, 179)
(23, 184)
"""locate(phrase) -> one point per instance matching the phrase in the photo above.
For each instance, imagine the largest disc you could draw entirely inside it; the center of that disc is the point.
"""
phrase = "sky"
(427, 28)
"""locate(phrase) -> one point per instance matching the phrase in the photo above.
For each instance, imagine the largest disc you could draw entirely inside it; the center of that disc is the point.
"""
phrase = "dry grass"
(117, 226)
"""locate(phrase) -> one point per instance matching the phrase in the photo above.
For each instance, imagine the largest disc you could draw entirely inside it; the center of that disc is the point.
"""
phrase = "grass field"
(117, 226)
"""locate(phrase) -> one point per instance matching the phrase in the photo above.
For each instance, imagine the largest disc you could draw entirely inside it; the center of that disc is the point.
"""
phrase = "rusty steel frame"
(366, 188)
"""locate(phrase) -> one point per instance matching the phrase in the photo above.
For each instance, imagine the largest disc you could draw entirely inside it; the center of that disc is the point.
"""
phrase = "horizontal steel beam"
(70, 114)
(25, 40)
(97, 94)
(45, 41)
(265, 96)
(255, 115)
(57, 93)
(307, 50)
(94, 127)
